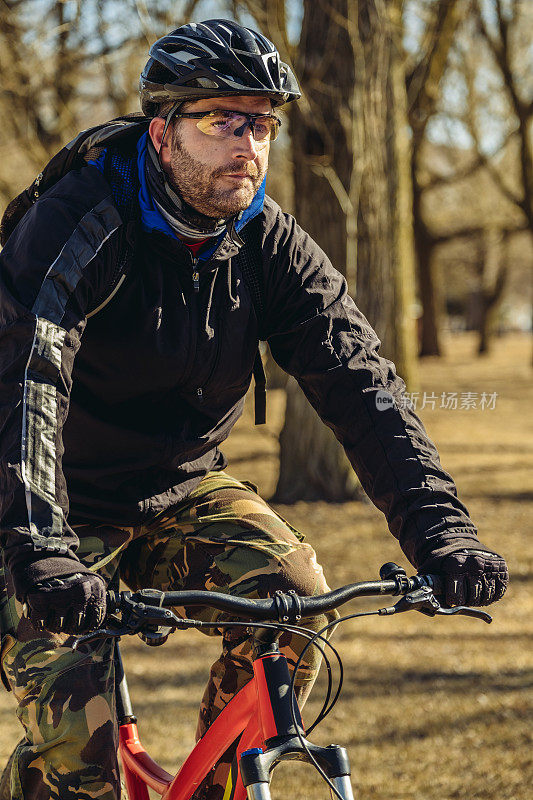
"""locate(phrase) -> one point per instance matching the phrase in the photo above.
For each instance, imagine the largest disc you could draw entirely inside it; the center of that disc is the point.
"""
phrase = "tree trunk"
(352, 195)
(326, 473)
(401, 205)
(276, 377)
(493, 280)
(484, 329)
(424, 246)
(423, 92)
(312, 463)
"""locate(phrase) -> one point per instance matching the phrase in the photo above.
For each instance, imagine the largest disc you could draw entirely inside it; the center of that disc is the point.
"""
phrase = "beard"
(200, 187)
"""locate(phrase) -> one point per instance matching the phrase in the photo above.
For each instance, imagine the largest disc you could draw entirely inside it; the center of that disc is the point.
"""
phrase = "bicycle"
(264, 715)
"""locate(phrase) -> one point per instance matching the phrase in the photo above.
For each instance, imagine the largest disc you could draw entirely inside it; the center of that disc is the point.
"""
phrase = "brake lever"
(138, 616)
(464, 611)
(101, 633)
(120, 627)
(424, 600)
(421, 599)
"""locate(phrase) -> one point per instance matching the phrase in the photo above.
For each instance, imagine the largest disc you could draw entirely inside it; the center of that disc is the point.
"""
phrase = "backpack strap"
(260, 397)
(250, 263)
(72, 156)
(120, 171)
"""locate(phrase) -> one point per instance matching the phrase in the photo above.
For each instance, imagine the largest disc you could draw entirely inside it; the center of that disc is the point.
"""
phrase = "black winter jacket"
(127, 409)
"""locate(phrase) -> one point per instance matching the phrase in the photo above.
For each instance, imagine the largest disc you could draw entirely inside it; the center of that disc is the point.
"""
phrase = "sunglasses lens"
(218, 123)
(265, 128)
(225, 124)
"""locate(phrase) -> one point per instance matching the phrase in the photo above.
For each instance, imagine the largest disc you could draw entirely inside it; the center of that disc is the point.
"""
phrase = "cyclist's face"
(217, 176)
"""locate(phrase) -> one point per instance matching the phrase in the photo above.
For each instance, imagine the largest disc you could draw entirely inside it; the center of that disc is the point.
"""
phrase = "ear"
(157, 126)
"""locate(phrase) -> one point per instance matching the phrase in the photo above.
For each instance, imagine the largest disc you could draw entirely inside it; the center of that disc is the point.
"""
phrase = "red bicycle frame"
(263, 717)
(251, 713)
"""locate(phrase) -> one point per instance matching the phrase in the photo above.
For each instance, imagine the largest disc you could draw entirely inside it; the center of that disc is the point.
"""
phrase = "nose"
(244, 143)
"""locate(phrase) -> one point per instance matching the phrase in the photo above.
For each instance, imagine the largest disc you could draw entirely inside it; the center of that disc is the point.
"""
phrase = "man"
(129, 415)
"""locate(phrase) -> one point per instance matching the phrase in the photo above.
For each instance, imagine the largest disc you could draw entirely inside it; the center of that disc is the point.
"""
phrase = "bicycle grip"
(435, 582)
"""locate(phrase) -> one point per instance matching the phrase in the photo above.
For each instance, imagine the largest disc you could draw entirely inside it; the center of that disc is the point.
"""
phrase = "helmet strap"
(168, 120)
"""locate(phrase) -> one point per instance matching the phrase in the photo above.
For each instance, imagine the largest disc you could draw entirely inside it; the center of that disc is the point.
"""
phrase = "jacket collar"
(225, 246)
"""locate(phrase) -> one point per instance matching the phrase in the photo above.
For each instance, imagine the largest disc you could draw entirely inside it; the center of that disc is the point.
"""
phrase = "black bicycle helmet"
(203, 59)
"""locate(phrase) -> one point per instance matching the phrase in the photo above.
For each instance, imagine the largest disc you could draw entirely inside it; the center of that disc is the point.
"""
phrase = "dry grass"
(431, 708)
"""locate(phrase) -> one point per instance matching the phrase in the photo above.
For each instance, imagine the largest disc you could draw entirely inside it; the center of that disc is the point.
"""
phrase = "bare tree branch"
(481, 160)
(500, 50)
(518, 201)
(469, 232)
(423, 82)
(344, 200)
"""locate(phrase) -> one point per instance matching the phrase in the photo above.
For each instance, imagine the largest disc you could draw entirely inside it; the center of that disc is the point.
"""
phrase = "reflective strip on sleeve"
(61, 280)
(39, 417)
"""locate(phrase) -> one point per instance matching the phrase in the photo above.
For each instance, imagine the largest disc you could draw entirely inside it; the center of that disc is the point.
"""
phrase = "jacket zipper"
(196, 288)
(193, 305)
(195, 275)
(200, 389)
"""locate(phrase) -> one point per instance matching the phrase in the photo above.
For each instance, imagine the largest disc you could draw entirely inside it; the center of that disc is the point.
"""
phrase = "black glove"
(60, 594)
(471, 577)
(75, 604)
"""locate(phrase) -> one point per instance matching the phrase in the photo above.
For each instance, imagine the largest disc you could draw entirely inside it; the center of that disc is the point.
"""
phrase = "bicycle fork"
(283, 740)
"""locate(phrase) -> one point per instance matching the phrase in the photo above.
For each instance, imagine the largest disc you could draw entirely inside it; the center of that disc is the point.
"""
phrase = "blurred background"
(410, 160)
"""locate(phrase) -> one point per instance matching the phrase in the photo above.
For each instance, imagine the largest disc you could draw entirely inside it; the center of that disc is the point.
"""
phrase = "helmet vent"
(215, 57)
(206, 83)
(273, 68)
(183, 55)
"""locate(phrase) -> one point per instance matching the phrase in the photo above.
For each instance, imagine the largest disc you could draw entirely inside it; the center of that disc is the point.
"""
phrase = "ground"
(436, 709)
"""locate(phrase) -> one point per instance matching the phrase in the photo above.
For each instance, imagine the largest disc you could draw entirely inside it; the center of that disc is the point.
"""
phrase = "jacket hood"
(152, 219)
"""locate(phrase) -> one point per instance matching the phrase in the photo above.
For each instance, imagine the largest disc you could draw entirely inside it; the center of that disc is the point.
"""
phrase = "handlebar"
(285, 607)
(149, 609)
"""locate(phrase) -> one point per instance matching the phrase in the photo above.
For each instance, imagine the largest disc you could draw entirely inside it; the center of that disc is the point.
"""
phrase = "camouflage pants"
(223, 536)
